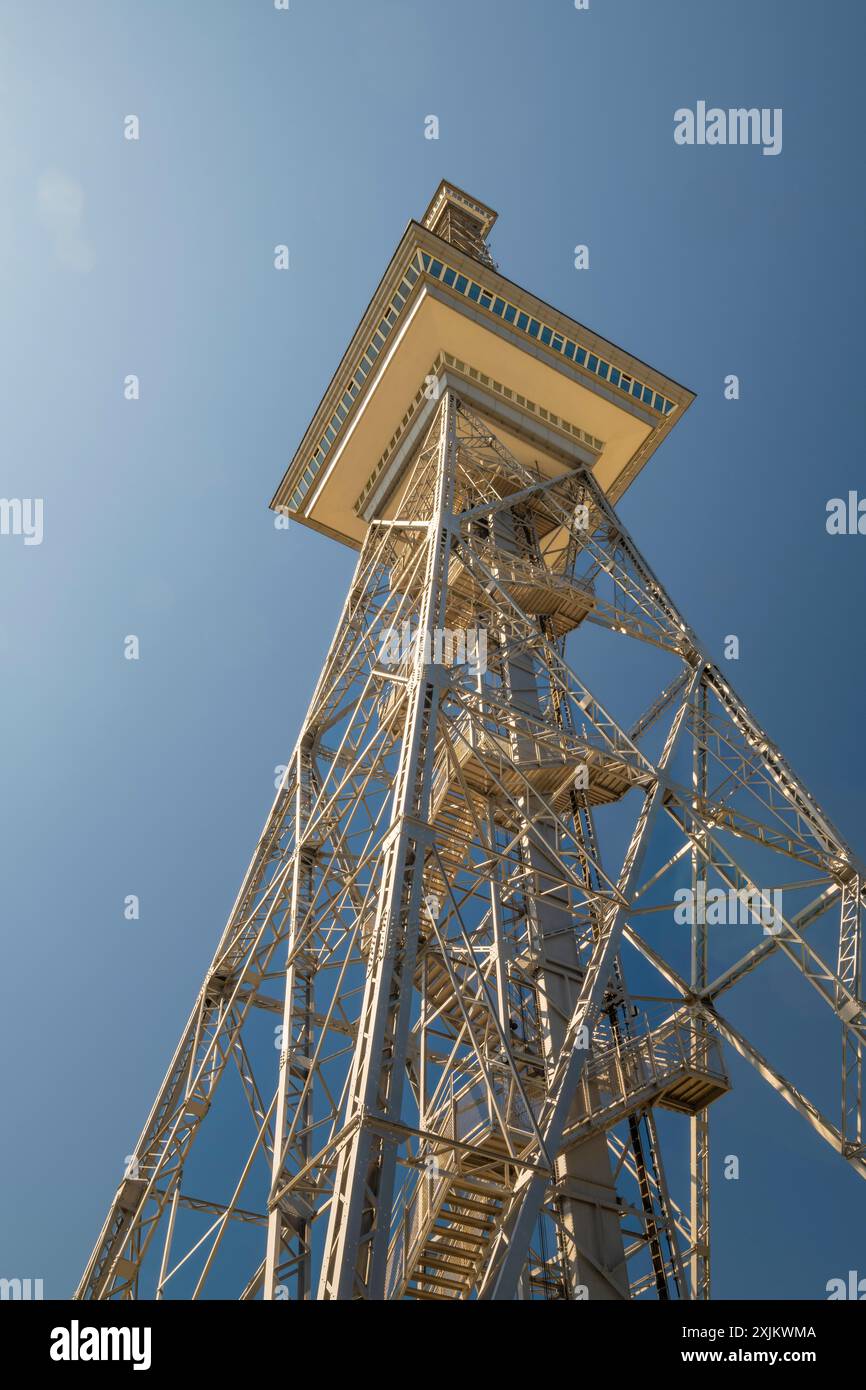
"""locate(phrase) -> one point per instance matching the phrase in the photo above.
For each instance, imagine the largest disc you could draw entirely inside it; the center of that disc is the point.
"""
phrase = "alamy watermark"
(713, 125)
(846, 516)
(853, 1288)
(716, 907)
(445, 647)
(22, 516)
(24, 1289)
(77, 1343)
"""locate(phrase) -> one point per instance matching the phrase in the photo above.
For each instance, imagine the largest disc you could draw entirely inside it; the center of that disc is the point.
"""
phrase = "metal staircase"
(448, 1214)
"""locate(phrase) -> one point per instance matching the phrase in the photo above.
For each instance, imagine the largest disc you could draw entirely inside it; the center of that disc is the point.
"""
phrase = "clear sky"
(155, 258)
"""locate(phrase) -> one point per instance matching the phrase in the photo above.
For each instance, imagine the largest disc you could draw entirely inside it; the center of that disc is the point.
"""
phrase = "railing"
(512, 567)
(508, 567)
(646, 1061)
(414, 1211)
(478, 728)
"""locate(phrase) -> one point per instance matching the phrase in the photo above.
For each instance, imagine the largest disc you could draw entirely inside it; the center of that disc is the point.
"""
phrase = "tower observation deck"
(558, 393)
(462, 924)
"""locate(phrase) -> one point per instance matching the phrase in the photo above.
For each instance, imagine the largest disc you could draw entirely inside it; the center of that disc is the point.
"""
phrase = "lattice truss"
(415, 1068)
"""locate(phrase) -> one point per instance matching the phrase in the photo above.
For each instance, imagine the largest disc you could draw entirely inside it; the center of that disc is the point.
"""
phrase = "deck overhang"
(439, 313)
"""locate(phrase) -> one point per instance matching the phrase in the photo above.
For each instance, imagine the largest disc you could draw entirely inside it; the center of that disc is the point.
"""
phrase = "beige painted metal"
(453, 1021)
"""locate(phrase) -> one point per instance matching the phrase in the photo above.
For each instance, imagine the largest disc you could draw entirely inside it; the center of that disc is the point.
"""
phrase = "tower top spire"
(460, 220)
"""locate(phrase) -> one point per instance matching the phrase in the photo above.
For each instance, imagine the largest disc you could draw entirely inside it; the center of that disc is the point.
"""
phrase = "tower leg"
(293, 1093)
(359, 1225)
(699, 1125)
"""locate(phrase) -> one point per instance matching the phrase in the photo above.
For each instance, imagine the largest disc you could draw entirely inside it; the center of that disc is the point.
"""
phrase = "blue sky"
(155, 257)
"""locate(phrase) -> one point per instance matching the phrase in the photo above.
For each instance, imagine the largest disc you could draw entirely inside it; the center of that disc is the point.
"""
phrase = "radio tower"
(477, 976)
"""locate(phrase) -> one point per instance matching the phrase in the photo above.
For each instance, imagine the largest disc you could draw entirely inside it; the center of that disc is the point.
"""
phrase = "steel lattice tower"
(460, 922)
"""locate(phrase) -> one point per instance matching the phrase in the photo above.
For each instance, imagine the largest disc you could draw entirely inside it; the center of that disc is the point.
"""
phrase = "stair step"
(473, 1205)
(477, 1186)
(439, 1281)
(452, 1266)
(471, 1244)
(459, 1216)
(471, 1253)
(473, 1222)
